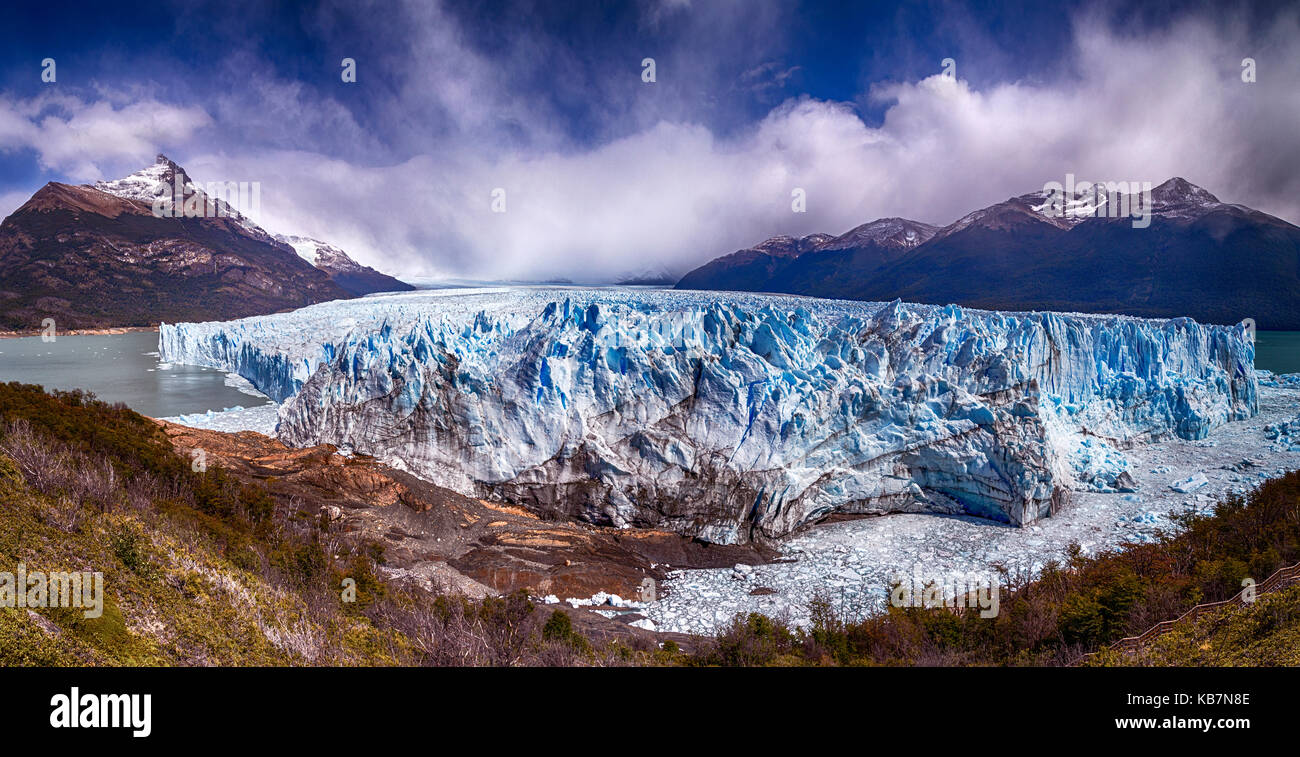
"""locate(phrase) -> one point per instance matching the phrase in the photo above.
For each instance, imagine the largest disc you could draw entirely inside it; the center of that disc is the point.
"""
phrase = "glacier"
(733, 417)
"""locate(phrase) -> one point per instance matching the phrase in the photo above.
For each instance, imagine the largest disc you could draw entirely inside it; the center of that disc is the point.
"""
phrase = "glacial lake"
(1277, 351)
(120, 368)
(125, 368)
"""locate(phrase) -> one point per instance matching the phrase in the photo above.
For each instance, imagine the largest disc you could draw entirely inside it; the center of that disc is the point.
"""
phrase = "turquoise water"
(1278, 351)
(120, 368)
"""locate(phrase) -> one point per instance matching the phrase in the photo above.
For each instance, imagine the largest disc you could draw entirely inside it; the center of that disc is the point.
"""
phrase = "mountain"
(752, 269)
(836, 265)
(357, 279)
(1199, 257)
(95, 256)
(650, 276)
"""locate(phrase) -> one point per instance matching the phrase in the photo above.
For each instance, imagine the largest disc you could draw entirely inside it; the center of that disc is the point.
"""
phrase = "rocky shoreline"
(79, 332)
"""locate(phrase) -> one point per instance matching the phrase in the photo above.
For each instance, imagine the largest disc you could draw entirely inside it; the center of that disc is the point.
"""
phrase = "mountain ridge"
(1213, 261)
(112, 254)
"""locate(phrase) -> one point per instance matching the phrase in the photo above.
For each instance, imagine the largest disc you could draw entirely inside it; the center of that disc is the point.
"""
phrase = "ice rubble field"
(851, 563)
(797, 406)
(732, 416)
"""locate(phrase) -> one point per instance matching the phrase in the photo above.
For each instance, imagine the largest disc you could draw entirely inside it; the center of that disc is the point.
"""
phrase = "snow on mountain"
(1176, 198)
(146, 184)
(323, 255)
(158, 183)
(346, 272)
(787, 246)
(897, 233)
(156, 187)
(733, 417)
(1178, 193)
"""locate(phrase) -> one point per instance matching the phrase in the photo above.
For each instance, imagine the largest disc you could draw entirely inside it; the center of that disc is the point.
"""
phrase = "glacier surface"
(733, 416)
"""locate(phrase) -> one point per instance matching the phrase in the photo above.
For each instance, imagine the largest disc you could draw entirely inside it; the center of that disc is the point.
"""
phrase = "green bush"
(126, 544)
(10, 477)
(559, 629)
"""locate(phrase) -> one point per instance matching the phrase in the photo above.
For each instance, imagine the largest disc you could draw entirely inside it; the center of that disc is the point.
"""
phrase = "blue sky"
(606, 175)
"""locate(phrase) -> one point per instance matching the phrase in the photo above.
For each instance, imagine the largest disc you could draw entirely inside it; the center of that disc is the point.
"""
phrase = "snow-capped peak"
(156, 186)
(900, 233)
(147, 183)
(323, 255)
(1179, 192)
(784, 245)
(1175, 198)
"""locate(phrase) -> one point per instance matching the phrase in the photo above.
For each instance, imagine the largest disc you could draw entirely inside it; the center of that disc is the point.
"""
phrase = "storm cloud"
(605, 175)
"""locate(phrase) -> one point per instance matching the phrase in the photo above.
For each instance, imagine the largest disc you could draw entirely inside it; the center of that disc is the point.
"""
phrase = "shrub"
(751, 640)
(10, 476)
(125, 544)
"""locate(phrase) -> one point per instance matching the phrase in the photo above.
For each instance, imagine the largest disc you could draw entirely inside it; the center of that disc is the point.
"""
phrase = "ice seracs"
(733, 417)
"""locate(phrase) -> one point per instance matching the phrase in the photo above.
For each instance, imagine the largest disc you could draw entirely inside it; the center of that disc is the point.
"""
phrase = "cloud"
(11, 201)
(656, 187)
(674, 194)
(75, 137)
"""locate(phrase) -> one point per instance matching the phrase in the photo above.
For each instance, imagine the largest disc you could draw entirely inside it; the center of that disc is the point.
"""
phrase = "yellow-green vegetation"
(1263, 633)
(173, 595)
(202, 569)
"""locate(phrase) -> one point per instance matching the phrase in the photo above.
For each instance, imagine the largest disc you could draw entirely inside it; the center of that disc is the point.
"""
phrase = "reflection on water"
(120, 368)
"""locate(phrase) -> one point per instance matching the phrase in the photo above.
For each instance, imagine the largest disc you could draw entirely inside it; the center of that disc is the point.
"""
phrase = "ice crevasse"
(733, 417)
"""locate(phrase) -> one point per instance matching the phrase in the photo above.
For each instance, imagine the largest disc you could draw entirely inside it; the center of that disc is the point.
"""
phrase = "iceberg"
(732, 416)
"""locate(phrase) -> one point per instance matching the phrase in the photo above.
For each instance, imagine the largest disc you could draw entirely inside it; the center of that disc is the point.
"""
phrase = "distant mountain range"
(95, 256)
(1199, 257)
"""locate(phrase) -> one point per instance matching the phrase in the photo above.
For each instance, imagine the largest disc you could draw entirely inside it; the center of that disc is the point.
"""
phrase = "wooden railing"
(1281, 578)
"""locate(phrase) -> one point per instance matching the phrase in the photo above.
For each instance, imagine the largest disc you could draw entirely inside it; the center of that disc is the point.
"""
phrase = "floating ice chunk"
(1189, 484)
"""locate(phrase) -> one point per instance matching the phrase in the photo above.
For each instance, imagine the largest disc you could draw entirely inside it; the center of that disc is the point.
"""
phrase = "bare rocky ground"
(450, 542)
(851, 563)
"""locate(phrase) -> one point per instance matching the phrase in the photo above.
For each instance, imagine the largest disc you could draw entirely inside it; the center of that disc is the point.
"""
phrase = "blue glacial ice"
(731, 416)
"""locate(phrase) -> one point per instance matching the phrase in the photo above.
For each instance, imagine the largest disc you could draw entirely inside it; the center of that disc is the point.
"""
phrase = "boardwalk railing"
(1278, 580)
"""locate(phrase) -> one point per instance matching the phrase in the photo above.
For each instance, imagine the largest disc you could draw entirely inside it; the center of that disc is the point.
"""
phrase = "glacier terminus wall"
(733, 417)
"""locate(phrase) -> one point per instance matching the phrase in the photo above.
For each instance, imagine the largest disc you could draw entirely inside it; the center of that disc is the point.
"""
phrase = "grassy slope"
(1266, 633)
(202, 569)
(172, 595)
